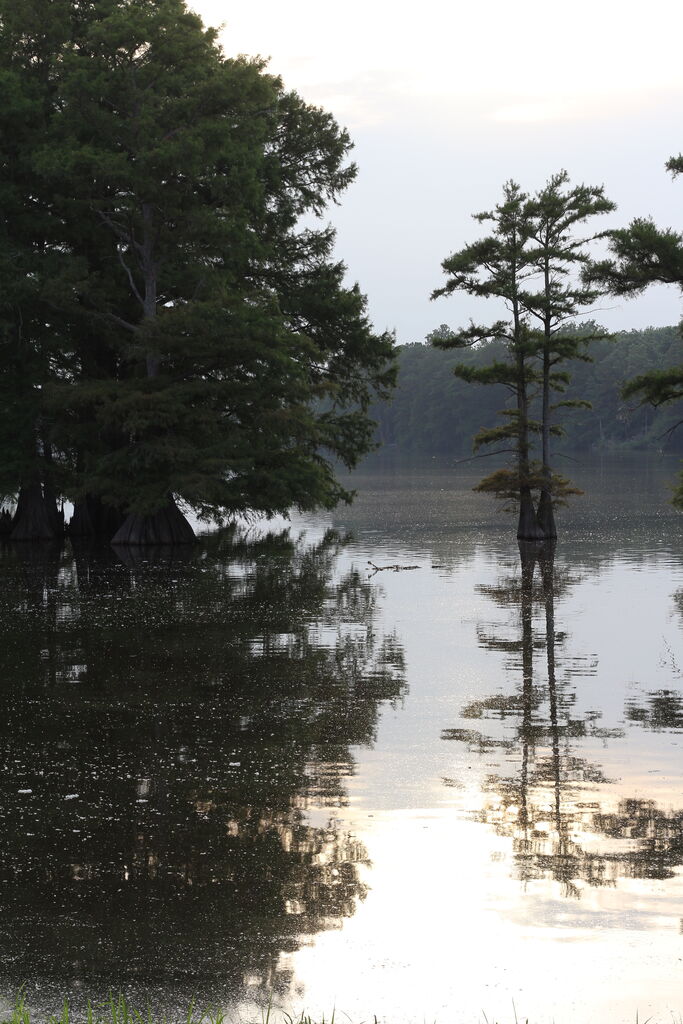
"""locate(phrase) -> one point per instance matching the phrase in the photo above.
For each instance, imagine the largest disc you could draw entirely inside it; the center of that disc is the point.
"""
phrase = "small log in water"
(391, 568)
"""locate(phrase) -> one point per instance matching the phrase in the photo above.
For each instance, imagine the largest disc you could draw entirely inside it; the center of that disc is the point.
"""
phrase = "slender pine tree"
(497, 267)
(554, 299)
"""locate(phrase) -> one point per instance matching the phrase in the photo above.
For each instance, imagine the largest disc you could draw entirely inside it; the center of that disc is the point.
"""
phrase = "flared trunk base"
(167, 526)
(92, 518)
(37, 516)
(546, 516)
(527, 527)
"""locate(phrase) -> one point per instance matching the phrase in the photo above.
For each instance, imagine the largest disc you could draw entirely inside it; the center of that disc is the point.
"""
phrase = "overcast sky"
(446, 102)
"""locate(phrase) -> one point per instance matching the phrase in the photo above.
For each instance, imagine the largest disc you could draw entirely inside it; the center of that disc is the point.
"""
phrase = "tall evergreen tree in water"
(643, 254)
(554, 300)
(214, 353)
(30, 331)
(497, 267)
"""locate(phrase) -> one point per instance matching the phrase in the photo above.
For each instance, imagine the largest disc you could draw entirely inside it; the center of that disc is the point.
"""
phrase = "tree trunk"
(55, 514)
(546, 516)
(527, 527)
(92, 518)
(167, 526)
(35, 518)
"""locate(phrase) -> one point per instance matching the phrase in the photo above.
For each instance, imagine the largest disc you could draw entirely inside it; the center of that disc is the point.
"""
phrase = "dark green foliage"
(435, 413)
(643, 254)
(190, 338)
(432, 411)
(29, 350)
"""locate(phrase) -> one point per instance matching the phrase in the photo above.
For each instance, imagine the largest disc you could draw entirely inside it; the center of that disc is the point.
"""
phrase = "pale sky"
(445, 102)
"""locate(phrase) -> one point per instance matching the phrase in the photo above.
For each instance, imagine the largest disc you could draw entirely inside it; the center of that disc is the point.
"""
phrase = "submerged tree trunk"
(546, 516)
(92, 518)
(36, 517)
(167, 526)
(527, 526)
(54, 512)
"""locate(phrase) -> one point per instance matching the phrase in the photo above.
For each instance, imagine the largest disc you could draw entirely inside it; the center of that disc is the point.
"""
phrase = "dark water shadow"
(167, 731)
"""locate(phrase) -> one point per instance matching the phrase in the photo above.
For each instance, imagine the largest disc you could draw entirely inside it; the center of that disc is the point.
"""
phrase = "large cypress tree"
(215, 354)
(31, 332)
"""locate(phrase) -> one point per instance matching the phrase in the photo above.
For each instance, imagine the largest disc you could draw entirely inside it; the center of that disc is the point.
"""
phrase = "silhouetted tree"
(497, 267)
(643, 254)
(556, 213)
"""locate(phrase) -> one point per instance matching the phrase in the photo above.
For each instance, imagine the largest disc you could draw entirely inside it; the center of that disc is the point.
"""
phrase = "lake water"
(264, 771)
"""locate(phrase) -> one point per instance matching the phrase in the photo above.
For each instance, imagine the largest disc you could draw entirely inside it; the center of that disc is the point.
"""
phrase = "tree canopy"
(186, 332)
(643, 254)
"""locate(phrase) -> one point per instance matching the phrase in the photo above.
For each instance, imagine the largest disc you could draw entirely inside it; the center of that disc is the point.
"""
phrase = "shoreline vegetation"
(115, 1010)
(433, 412)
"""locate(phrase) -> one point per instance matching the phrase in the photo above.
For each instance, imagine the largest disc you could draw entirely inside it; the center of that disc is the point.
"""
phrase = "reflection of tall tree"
(161, 742)
(558, 829)
(547, 567)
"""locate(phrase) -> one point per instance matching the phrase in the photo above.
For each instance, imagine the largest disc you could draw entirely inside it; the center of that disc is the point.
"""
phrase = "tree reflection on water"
(175, 739)
(556, 806)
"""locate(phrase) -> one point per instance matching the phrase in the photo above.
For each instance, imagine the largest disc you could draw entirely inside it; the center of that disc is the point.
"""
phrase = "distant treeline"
(434, 412)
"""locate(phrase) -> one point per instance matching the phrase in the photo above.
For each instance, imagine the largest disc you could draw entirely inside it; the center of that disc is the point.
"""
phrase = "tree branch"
(669, 432)
(127, 269)
(485, 455)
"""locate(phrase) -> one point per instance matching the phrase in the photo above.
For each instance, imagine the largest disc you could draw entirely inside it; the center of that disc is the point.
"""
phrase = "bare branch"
(485, 455)
(129, 274)
(669, 432)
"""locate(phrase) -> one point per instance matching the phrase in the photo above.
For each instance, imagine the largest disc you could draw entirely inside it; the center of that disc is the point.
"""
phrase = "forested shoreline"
(435, 413)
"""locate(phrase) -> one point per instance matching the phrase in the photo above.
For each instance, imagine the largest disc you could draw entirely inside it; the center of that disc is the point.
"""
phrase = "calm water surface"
(266, 770)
